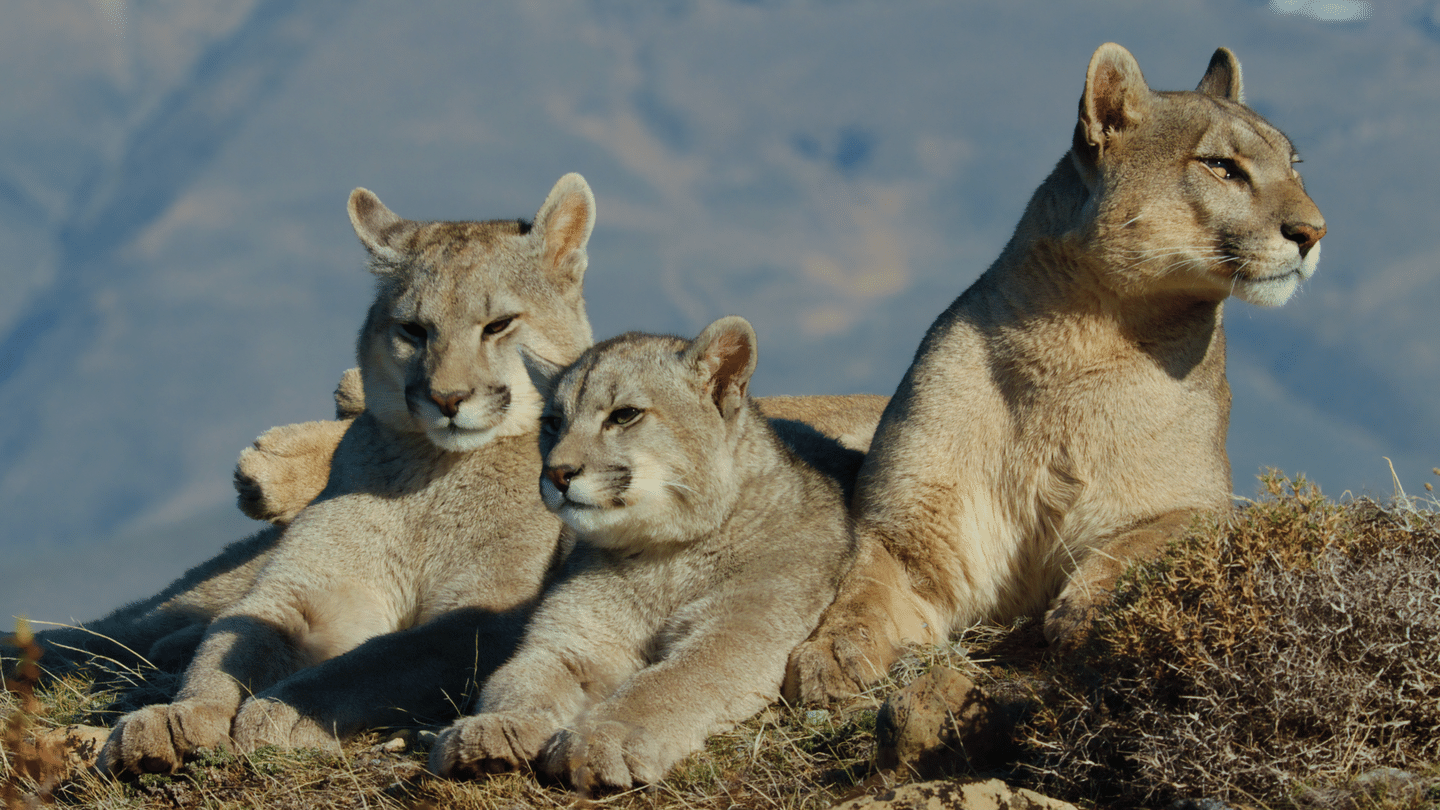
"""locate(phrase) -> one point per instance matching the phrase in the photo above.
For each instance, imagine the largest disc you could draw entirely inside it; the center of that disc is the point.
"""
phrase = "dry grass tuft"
(30, 770)
(787, 758)
(1270, 660)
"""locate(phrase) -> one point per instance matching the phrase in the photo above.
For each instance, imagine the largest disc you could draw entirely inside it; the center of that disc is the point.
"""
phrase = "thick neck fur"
(375, 458)
(769, 478)
(1051, 278)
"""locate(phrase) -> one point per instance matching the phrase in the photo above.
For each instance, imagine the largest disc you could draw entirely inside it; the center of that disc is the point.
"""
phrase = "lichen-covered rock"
(941, 724)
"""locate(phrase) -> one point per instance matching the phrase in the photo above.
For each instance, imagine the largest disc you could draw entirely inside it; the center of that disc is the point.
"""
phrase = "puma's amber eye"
(1223, 168)
(413, 331)
(498, 326)
(624, 416)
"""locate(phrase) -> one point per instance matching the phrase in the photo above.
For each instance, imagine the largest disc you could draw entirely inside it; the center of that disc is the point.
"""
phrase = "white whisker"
(678, 485)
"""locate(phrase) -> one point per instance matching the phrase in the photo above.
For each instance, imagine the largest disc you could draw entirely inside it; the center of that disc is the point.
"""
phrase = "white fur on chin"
(1274, 291)
(461, 434)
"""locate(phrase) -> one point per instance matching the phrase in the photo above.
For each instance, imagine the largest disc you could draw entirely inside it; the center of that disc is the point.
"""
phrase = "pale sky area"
(180, 275)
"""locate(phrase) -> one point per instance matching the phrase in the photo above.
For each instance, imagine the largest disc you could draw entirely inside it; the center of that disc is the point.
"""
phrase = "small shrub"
(1297, 644)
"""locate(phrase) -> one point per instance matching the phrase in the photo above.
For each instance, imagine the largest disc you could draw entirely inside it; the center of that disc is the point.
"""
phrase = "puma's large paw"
(837, 662)
(349, 395)
(286, 469)
(158, 739)
(265, 721)
(486, 744)
(608, 754)
(1071, 619)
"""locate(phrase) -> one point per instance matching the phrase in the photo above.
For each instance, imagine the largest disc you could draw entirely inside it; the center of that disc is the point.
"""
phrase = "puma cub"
(706, 549)
(429, 523)
(1067, 413)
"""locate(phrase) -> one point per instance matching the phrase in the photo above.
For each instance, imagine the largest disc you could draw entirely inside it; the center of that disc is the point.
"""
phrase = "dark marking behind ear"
(543, 373)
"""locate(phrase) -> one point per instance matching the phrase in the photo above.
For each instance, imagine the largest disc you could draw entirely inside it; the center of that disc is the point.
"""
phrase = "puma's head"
(455, 301)
(639, 436)
(1192, 191)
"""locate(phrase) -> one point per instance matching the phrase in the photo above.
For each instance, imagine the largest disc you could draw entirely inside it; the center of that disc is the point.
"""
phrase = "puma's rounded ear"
(1222, 77)
(1116, 98)
(378, 227)
(724, 356)
(565, 222)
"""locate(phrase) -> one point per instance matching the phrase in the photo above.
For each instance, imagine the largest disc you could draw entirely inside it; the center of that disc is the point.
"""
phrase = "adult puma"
(706, 546)
(1067, 413)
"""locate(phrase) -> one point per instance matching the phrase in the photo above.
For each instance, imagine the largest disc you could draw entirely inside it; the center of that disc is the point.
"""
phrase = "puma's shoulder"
(849, 419)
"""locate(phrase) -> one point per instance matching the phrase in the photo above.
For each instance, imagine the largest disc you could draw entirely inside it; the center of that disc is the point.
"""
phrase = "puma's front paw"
(1071, 619)
(838, 661)
(158, 739)
(286, 469)
(607, 754)
(265, 721)
(486, 744)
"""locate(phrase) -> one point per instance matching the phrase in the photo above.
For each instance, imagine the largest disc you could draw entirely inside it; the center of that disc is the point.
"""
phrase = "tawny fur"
(428, 524)
(420, 672)
(1067, 414)
(706, 548)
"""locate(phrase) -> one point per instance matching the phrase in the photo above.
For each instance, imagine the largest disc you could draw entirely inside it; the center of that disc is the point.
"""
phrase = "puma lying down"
(706, 546)
(1067, 413)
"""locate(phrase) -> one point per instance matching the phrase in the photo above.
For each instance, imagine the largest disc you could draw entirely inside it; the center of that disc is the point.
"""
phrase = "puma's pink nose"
(1303, 234)
(449, 401)
(561, 476)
